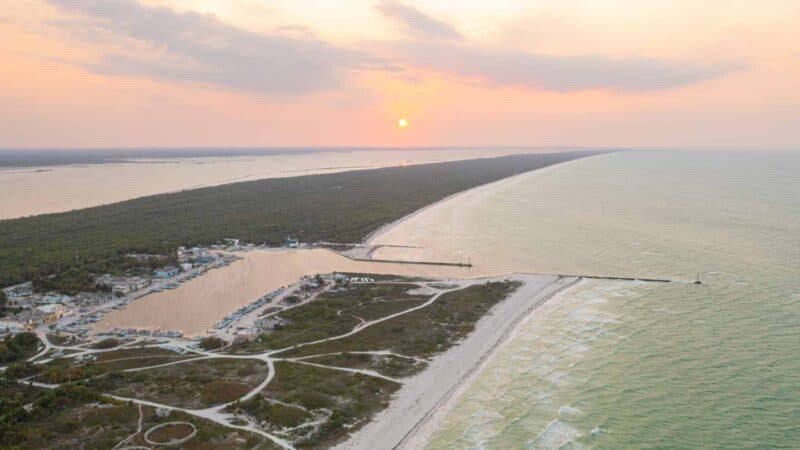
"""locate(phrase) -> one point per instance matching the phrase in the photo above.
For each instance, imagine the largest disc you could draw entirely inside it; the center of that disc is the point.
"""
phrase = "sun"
(402, 123)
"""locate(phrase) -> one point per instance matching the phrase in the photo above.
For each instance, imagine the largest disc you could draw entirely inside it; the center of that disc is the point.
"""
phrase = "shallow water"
(39, 190)
(194, 306)
(636, 365)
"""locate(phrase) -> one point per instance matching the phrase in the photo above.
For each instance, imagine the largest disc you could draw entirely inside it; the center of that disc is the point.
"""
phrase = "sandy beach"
(442, 231)
(424, 399)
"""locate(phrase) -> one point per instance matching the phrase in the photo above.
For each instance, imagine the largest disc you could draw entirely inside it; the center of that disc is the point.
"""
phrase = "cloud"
(554, 72)
(417, 22)
(437, 46)
(158, 42)
(200, 48)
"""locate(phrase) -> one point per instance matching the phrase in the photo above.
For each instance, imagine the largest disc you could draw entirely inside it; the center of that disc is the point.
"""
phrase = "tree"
(3, 302)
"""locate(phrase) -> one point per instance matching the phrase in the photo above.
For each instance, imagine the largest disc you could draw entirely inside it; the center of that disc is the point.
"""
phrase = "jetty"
(424, 263)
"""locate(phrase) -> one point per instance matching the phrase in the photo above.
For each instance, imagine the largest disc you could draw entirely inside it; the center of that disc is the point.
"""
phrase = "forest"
(61, 251)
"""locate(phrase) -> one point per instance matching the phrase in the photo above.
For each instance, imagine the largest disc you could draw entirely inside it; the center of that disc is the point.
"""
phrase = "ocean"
(616, 365)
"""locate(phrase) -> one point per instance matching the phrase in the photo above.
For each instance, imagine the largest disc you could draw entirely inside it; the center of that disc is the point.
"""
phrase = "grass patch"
(336, 313)
(211, 343)
(64, 370)
(349, 400)
(216, 392)
(76, 417)
(107, 343)
(271, 415)
(169, 433)
(194, 384)
(60, 339)
(388, 365)
(425, 332)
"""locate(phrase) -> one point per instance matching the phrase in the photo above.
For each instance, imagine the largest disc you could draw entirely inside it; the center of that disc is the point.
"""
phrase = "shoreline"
(179, 174)
(411, 417)
(385, 228)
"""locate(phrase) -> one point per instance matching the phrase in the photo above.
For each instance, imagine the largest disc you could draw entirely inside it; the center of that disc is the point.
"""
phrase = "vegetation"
(65, 370)
(59, 339)
(388, 365)
(20, 426)
(335, 313)
(271, 414)
(107, 343)
(211, 343)
(74, 416)
(194, 384)
(424, 332)
(3, 303)
(18, 347)
(311, 406)
(15, 371)
(346, 399)
(172, 432)
(341, 207)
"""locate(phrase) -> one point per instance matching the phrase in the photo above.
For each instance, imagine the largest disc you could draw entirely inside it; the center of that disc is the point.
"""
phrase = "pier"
(425, 263)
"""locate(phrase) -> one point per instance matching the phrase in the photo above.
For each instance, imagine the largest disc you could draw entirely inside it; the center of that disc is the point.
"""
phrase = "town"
(28, 309)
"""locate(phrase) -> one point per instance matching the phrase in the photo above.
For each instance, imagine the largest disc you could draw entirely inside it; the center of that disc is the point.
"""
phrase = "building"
(271, 323)
(123, 285)
(121, 289)
(246, 334)
(52, 298)
(340, 277)
(51, 309)
(291, 242)
(166, 272)
(202, 260)
(51, 313)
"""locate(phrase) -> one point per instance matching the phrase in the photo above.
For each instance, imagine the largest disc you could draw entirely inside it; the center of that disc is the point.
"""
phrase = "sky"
(210, 73)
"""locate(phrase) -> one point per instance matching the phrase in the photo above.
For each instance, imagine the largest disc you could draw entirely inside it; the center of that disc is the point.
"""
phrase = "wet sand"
(425, 399)
(445, 230)
(196, 305)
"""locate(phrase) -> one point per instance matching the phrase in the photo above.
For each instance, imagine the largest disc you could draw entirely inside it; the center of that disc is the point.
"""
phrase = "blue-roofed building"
(166, 272)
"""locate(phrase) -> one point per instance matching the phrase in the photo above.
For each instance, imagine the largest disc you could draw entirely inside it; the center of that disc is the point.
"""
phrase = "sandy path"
(424, 399)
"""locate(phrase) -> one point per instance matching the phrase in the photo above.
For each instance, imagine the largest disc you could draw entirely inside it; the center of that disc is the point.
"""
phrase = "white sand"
(424, 399)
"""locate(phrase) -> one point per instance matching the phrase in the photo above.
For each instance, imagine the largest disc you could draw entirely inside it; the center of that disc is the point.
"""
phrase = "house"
(166, 272)
(52, 298)
(271, 323)
(340, 277)
(51, 309)
(121, 289)
(291, 242)
(201, 260)
(52, 312)
(246, 334)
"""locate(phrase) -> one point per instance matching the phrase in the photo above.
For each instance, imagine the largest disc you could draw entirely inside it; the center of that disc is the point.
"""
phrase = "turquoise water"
(612, 365)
